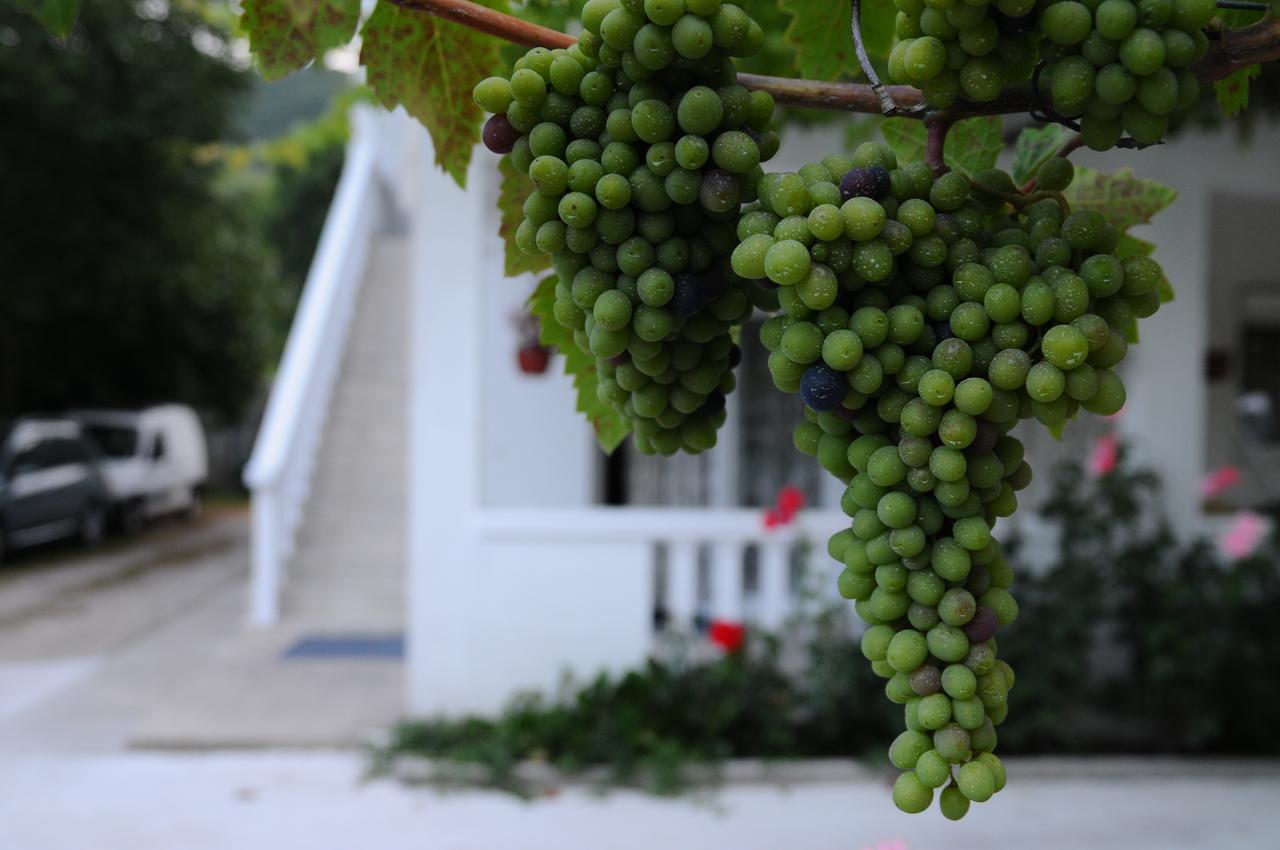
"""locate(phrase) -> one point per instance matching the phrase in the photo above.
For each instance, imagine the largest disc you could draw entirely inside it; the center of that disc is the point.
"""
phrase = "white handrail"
(279, 471)
(642, 525)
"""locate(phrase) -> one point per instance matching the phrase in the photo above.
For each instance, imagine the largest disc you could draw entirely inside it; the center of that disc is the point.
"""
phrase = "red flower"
(1106, 452)
(790, 501)
(727, 635)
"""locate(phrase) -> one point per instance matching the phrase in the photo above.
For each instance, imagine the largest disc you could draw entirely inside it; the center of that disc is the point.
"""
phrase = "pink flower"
(1102, 460)
(1242, 537)
(1221, 479)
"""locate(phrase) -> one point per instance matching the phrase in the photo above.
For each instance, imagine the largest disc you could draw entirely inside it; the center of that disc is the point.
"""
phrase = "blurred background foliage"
(1128, 641)
(161, 206)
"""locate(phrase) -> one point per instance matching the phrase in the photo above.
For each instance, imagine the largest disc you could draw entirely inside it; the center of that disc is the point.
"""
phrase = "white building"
(409, 476)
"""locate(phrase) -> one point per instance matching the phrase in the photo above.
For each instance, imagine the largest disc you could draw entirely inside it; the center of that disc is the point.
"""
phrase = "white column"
(450, 235)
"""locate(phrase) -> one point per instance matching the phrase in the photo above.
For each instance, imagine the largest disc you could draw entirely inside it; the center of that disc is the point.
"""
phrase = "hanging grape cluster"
(1120, 67)
(920, 319)
(963, 49)
(641, 147)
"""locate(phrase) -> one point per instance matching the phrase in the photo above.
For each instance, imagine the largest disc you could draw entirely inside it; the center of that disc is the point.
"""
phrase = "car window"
(116, 441)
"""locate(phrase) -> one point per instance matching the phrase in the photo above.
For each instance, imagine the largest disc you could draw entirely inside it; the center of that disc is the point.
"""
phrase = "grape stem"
(888, 105)
(1231, 50)
(937, 140)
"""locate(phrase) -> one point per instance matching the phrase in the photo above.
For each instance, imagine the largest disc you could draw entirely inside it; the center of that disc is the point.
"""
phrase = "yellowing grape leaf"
(821, 33)
(429, 65)
(972, 145)
(1233, 90)
(1123, 199)
(56, 16)
(286, 35)
(512, 193)
(1035, 146)
(609, 426)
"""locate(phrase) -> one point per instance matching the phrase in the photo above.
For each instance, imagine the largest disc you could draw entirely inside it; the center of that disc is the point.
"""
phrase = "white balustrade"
(280, 469)
(685, 536)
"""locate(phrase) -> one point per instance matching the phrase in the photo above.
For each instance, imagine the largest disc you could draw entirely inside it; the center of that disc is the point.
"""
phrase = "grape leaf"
(972, 145)
(610, 429)
(512, 193)
(907, 137)
(1132, 246)
(821, 33)
(1124, 200)
(1035, 146)
(1233, 90)
(56, 16)
(286, 35)
(428, 65)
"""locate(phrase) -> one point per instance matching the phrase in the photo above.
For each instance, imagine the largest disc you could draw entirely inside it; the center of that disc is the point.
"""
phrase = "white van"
(155, 460)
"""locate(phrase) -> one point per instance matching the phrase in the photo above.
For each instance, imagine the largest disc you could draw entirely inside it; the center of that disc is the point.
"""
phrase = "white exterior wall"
(489, 619)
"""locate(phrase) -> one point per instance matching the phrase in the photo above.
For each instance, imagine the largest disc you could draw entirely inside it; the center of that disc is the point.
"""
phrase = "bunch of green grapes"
(967, 49)
(1122, 66)
(920, 319)
(641, 147)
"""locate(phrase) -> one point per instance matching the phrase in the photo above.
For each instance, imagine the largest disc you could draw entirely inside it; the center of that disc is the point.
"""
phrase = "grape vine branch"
(1231, 50)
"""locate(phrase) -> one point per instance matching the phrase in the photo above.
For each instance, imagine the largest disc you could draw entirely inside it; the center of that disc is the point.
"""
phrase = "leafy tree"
(129, 277)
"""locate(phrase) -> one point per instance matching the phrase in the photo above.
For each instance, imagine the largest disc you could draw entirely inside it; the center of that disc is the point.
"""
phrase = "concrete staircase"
(348, 572)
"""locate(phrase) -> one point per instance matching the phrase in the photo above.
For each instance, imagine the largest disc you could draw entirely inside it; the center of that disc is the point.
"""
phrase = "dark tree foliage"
(125, 278)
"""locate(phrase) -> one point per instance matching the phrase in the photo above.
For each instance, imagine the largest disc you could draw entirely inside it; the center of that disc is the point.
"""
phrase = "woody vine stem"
(1230, 50)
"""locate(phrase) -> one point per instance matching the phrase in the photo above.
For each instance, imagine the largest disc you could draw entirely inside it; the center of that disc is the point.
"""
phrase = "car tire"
(132, 518)
(93, 525)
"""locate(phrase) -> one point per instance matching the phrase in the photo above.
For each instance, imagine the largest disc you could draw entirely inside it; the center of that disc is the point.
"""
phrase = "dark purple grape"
(986, 438)
(870, 182)
(499, 136)
(982, 626)
(735, 356)
(689, 296)
(823, 388)
(720, 191)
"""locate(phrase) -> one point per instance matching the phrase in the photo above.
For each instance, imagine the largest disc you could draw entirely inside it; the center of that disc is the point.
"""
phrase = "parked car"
(50, 483)
(155, 460)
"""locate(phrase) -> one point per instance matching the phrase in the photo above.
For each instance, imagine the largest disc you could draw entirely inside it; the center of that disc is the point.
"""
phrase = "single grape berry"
(823, 388)
(498, 134)
(870, 182)
(689, 296)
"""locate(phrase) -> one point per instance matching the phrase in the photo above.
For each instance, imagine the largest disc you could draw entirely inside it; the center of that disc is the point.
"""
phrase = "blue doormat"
(370, 646)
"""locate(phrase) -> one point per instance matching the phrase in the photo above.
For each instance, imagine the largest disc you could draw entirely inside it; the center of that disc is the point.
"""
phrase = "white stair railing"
(280, 469)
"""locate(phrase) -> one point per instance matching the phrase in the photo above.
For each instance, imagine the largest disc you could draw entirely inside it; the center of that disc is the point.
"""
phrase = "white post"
(726, 581)
(774, 572)
(264, 586)
(682, 582)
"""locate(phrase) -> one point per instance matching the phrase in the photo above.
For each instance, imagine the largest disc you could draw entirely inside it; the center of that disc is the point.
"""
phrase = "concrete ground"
(107, 658)
(275, 801)
(143, 644)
